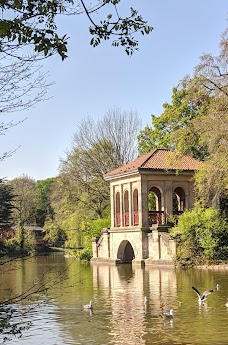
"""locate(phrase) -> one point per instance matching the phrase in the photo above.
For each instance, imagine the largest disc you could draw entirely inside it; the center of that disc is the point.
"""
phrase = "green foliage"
(12, 246)
(6, 205)
(151, 201)
(33, 24)
(94, 229)
(21, 236)
(173, 128)
(202, 235)
(82, 254)
(54, 234)
(43, 209)
(123, 28)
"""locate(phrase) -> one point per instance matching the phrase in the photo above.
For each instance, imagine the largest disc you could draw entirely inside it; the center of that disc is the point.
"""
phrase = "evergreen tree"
(6, 206)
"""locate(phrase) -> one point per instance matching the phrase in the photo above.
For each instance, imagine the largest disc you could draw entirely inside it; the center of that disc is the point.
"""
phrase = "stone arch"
(135, 207)
(117, 209)
(125, 252)
(126, 208)
(179, 200)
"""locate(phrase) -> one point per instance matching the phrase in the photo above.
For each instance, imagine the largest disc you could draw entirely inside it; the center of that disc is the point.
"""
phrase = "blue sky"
(93, 80)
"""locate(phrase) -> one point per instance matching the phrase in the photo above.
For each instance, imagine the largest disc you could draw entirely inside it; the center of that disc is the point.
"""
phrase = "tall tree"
(197, 123)
(174, 128)
(25, 200)
(44, 209)
(6, 203)
(98, 147)
(33, 24)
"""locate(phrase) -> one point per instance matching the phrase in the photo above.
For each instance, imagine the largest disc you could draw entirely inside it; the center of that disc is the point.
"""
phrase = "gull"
(226, 303)
(88, 306)
(203, 297)
(167, 314)
(218, 286)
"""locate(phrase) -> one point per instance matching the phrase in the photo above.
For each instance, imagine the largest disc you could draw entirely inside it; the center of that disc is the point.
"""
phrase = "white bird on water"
(202, 297)
(88, 306)
(168, 315)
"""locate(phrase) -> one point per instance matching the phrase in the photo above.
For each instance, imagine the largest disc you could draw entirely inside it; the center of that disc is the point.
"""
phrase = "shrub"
(201, 235)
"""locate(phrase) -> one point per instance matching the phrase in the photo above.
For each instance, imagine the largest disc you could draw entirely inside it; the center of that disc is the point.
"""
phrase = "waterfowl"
(202, 297)
(226, 303)
(88, 306)
(168, 315)
(218, 286)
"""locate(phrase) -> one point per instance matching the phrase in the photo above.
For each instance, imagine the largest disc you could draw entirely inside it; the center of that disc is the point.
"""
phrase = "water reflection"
(136, 295)
(127, 303)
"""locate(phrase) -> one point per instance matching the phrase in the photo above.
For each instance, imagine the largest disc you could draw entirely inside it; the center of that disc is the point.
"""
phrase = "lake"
(127, 302)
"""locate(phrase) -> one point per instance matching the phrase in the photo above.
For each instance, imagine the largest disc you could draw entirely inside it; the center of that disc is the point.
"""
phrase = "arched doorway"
(178, 200)
(155, 214)
(125, 252)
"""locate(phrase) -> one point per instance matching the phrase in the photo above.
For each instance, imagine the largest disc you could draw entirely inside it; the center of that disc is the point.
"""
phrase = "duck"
(88, 306)
(168, 314)
(202, 297)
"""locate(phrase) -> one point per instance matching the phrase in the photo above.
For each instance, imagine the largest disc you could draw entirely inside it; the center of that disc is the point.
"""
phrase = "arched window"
(135, 207)
(126, 208)
(117, 210)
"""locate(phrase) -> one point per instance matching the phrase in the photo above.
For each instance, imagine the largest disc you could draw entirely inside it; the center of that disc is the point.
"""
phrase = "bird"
(226, 303)
(202, 297)
(88, 306)
(218, 287)
(167, 314)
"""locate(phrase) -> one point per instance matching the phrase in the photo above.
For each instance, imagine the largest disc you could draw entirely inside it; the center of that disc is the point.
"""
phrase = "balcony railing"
(136, 218)
(155, 217)
(118, 219)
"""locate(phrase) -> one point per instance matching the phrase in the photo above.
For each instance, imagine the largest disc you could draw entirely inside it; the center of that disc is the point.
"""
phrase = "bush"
(82, 254)
(201, 235)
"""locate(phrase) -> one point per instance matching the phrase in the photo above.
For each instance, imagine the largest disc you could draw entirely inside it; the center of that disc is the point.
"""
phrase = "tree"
(197, 123)
(174, 128)
(33, 25)
(211, 76)
(98, 147)
(44, 209)
(6, 203)
(24, 201)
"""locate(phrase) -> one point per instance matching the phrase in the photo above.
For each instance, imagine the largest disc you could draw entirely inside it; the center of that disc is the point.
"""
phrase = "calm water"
(120, 314)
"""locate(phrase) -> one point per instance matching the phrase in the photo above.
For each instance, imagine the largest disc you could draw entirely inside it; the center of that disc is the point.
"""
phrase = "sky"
(92, 81)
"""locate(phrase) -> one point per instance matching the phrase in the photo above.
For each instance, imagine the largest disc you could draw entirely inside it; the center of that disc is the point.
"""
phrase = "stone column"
(168, 196)
(144, 203)
(130, 205)
(113, 206)
(121, 206)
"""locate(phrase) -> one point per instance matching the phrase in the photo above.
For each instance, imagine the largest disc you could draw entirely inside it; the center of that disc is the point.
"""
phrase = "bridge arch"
(125, 252)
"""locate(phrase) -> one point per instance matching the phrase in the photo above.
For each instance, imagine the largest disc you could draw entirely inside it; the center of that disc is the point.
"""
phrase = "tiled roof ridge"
(144, 162)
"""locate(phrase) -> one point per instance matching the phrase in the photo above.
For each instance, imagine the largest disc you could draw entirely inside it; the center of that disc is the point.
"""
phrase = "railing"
(177, 213)
(136, 218)
(126, 218)
(118, 219)
(155, 217)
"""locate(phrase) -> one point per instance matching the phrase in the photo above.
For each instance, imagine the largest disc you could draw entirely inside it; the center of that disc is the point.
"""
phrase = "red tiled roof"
(159, 159)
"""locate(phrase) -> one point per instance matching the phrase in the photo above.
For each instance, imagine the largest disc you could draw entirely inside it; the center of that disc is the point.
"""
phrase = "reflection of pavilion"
(126, 287)
(144, 193)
